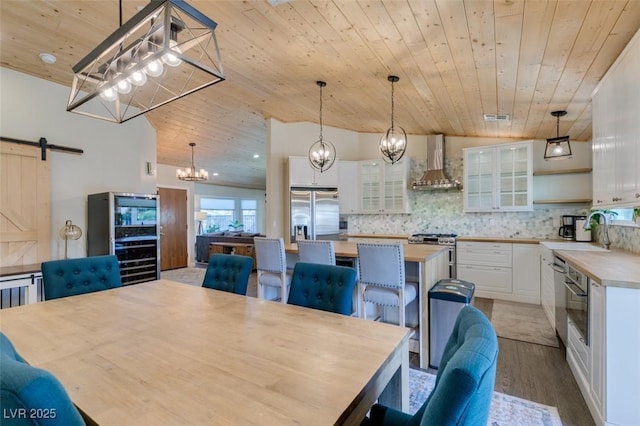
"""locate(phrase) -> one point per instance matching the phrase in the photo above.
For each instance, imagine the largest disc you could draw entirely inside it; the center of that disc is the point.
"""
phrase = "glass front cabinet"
(498, 178)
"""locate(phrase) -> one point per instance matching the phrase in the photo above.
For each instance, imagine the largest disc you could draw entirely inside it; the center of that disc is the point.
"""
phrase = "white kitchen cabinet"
(302, 174)
(598, 326)
(526, 273)
(504, 271)
(616, 132)
(607, 370)
(383, 187)
(547, 284)
(498, 178)
(348, 186)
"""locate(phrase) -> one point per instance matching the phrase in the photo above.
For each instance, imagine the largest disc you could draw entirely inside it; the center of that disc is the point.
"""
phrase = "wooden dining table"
(169, 353)
(430, 263)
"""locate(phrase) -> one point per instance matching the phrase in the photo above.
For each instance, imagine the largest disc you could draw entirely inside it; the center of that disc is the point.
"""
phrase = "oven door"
(577, 302)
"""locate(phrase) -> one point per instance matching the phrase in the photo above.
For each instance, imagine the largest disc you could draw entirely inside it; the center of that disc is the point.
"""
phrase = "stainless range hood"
(434, 178)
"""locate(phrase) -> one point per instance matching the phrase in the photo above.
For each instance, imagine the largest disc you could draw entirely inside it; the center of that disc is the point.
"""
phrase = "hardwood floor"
(538, 373)
(526, 370)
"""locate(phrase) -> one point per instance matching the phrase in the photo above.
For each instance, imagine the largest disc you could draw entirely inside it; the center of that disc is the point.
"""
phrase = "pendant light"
(191, 173)
(394, 143)
(166, 51)
(558, 148)
(322, 153)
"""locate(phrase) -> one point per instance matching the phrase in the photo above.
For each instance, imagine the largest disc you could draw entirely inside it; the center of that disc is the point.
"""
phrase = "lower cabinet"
(607, 370)
(507, 271)
(547, 284)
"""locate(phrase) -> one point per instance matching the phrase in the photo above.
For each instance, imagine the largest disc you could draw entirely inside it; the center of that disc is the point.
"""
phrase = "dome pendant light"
(394, 143)
(192, 174)
(322, 153)
(558, 148)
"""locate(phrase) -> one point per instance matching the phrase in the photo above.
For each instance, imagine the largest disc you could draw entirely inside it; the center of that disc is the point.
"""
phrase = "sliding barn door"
(24, 206)
(173, 228)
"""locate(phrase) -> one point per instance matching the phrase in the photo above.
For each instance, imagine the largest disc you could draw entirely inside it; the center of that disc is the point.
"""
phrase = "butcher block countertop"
(499, 240)
(614, 268)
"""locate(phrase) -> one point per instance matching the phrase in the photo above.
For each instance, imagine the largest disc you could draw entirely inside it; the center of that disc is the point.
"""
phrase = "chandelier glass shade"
(164, 52)
(191, 173)
(558, 148)
(322, 154)
(394, 142)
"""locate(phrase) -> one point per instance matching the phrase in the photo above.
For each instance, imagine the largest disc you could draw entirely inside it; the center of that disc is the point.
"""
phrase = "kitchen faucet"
(605, 242)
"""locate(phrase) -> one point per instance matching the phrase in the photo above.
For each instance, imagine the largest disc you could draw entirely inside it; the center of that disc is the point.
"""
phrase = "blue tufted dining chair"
(228, 272)
(27, 390)
(70, 277)
(325, 287)
(464, 384)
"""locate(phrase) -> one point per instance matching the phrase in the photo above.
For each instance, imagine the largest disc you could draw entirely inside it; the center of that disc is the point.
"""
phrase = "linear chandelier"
(394, 143)
(558, 148)
(164, 52)
(322, 154)
(192, 174)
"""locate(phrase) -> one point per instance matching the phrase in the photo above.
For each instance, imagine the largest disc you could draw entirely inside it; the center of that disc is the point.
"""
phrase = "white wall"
(114, 157)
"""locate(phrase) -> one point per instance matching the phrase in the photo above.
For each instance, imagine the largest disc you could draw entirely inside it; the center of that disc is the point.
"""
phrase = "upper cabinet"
(498, 178)
(302, 174)
(616, 132)
(348, 186)
(383, 186)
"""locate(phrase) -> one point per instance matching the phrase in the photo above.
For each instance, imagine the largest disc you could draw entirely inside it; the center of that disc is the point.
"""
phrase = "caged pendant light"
(558, 148)
(164, 52)
(322, 153)
(192, 174)
(394, 143)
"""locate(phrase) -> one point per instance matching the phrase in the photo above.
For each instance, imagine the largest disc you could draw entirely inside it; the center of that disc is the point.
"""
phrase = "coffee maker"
(568, 229)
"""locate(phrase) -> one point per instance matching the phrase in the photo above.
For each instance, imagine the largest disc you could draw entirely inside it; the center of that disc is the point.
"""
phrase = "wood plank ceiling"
(457, 60)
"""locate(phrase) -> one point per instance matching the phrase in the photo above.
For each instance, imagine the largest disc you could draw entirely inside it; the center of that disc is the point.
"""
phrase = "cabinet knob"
(637, 194)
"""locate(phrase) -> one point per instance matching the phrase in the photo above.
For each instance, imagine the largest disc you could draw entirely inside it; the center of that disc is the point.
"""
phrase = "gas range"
(441, 239)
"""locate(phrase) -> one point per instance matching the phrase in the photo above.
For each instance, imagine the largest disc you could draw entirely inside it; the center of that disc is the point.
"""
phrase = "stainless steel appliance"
(568, 229)
(126, 225)
(315, 214)
(448, 240)
(572, 300)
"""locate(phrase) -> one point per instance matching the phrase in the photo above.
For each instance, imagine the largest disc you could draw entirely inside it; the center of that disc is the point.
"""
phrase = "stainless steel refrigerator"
(315, 213)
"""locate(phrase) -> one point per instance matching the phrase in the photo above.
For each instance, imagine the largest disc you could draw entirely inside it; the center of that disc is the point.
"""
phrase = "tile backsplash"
(441, 212)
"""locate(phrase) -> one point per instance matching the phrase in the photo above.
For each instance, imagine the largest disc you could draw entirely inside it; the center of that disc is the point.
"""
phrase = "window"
(230, 214)
(249, 208)
(623, 217)
(220, 213)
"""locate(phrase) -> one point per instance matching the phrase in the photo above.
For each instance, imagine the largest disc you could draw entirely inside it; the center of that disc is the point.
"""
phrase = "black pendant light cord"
(321, 84)
(392, 103)
(120, 3)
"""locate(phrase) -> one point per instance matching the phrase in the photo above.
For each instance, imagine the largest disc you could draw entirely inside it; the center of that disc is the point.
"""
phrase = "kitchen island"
(431, 264)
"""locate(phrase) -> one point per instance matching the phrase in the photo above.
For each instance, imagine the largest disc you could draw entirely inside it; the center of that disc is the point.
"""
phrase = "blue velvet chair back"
(70, 277)
(28, 390)
(325, 287)
(228, 272)
(464, 384)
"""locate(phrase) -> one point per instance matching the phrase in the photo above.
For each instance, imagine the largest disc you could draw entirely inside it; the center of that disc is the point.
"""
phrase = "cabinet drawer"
(578, 348)
(498, 254)
(489, 278)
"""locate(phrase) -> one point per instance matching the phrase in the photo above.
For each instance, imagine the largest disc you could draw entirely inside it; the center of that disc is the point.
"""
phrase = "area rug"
(506, 410)
(522, 321)
(193, 276)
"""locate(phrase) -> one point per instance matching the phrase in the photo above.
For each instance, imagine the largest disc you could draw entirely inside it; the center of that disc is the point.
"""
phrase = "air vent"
(497, 117)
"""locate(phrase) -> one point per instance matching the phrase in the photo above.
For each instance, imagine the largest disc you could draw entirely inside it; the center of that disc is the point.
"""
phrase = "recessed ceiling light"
(256, 156)
(48, 58)
(216, 173)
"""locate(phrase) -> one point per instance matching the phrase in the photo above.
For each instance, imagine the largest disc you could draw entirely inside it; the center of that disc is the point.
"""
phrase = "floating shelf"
(562, 172)
(564, 201)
